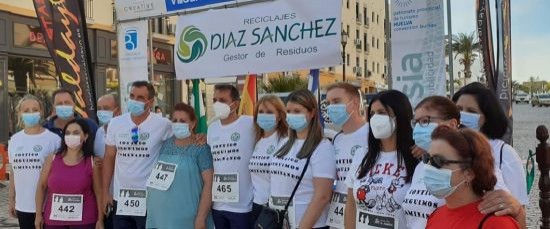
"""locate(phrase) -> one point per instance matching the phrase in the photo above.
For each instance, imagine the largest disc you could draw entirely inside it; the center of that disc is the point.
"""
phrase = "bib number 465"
(224, 188)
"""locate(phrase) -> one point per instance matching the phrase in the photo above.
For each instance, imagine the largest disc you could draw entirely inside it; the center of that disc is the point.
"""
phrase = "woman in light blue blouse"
(179, 187)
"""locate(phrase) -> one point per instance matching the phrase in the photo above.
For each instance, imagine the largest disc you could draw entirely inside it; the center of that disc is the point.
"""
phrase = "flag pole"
(450, 50)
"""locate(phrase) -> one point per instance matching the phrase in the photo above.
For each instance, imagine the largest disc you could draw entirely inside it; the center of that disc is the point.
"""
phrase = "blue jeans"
(231, 220)
(127, 222)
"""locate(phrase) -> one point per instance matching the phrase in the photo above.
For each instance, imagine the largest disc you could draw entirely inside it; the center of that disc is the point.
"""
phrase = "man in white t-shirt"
(132, 147)
(343, 110)
(107, 108)
(231, 139)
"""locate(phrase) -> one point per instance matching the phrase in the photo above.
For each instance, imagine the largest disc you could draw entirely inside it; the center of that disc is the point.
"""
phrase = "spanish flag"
(248, 99)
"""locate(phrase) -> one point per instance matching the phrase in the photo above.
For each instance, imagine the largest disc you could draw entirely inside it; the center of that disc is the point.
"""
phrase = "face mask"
(338, 114)
(72, 141)
(297, 122)
(438, 181)
(136, 108)
(422, 135)
(104, 116)
(382, 126)
(221, 110)
(30, 119)
(181, 130)
(470, 120)
(64, 112)
(266, 121)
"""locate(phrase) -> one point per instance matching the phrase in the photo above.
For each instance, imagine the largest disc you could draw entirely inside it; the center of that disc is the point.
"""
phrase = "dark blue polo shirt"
(50, 125)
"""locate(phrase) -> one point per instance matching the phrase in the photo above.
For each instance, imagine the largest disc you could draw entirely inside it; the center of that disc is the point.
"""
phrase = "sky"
(530, 34)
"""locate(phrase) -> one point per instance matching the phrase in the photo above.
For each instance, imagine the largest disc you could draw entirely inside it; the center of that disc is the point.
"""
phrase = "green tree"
(284, 84)
(467, 46)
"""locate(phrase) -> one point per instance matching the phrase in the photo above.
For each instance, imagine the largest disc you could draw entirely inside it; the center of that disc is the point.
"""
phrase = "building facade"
(27, 68)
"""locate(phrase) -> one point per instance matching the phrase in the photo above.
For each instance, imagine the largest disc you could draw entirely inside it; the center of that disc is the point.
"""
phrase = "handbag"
(275, 219)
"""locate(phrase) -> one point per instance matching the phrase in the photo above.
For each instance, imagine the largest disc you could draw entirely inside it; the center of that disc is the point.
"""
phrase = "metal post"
(543, 160)
(344, 65)
(450, 50)
(151, 55)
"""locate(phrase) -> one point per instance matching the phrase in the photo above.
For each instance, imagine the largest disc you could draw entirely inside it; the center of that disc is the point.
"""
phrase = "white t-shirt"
(232, 146)
(259, 167)
(99, 142)
(345, 147)
(27, 154)
(512, 170)
(419, 203)
(286, 171)
(382, 190)
(134, 162)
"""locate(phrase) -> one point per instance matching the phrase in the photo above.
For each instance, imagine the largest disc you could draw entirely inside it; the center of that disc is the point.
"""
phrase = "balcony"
(358, 71)
(358, 45)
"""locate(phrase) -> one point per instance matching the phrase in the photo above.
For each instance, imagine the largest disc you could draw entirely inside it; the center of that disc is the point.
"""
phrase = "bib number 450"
(131, 203)
(224, 188)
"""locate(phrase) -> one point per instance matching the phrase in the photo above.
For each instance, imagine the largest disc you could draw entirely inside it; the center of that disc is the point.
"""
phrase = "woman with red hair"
(459, 169)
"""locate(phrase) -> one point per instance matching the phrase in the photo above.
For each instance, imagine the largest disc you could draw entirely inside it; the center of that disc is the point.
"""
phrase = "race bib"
(279, 203)
(364, 219)
(162, 176)
(226, 188)
(132, 202)
(336, 210)
(66, 207)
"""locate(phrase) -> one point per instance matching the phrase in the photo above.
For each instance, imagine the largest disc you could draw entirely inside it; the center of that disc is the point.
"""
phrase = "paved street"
(526, 119)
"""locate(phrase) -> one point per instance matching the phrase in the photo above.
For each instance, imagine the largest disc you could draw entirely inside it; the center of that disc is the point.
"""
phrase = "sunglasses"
(135, 134)
(439, 161)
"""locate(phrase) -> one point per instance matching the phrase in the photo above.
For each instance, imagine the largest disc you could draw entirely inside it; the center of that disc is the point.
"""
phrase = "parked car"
(521, 97)
(540, 100)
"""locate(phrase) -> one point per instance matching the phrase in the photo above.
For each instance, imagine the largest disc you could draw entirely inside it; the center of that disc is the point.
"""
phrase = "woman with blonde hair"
(28, 150)
(271, 127)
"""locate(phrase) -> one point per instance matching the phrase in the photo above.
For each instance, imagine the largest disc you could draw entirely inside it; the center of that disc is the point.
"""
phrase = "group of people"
(439, 165)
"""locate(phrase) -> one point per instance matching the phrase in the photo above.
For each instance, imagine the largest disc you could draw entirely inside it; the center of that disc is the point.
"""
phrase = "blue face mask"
(422, 135)
(438, 181)
(30, 119)
(338, 114)
(470, 120)
(297, 122)
(266, 121)
(136, 108)
(64, 112)
(104, 116)
(181, 130)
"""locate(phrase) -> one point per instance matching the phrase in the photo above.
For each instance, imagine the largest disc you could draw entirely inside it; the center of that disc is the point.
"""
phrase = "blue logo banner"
(175, 5)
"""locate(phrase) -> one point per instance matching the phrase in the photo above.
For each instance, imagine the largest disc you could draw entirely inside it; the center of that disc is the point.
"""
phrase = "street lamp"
(344, 43)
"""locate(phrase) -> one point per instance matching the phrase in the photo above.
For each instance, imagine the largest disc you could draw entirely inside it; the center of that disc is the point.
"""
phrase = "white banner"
(418, 48)
(132, 56)
(282, 35)
(141, 9)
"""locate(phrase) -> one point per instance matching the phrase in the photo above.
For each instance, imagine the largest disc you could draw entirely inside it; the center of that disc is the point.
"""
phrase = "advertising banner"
(143, 9)
(418, 48)
(485, 34)
(64, 25)
(132, 56)
(504, 64)
(282, 35)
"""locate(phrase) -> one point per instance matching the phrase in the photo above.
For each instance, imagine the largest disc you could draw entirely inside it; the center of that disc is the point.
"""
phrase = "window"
(357, 10)
(377, 17)
(347, 30)
(357, 61)
(331, 69)
(366, 66)
(373, 66)
(348, 59)
(377, 43)
(365, 41)
(357, 34)
(372, 17)
(377, 67)
(365, 19)
(372, 42)
(347, 4)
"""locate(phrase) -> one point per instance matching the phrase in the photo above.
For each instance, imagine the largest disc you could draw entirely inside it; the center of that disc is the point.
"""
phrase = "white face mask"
(72, 141)
(382, 126)
(221, 110)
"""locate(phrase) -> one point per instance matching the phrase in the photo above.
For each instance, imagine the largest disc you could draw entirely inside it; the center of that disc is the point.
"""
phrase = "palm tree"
(516, 86)
(281, 83)
(467, 46)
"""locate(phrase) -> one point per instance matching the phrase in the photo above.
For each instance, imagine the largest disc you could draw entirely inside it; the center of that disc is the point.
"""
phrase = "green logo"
(235, 136)
(192, 44)
(354, 149)
(271, 149)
